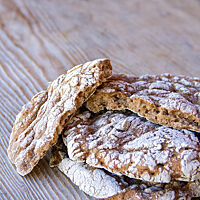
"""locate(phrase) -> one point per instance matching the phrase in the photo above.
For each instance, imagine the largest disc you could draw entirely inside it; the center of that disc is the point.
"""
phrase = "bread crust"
(165, 99)
(101, 184)
(126, 144)
(41, 120)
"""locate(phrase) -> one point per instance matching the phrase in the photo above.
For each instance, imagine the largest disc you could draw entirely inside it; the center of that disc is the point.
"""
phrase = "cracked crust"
(93, 181)
(40, 122)
(125, 144)
(101, 184)
(165, 99)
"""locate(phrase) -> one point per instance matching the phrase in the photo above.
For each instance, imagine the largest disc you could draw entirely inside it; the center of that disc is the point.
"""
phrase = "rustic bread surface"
(101, 184)
(40, 122)
(165, 99)
(126, 144)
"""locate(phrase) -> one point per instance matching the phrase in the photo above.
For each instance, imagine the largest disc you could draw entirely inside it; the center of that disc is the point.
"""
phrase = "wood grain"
(41, 39)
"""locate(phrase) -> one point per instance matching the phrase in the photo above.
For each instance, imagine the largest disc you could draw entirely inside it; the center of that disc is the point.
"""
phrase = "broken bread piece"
(101, 184)
(40, 122)
(165, 99)
(126, 144)
(93, 181)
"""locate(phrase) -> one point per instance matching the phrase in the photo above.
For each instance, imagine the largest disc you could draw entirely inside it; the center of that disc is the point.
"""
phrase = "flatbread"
(164, 99)
(41, 120)
(126, 144)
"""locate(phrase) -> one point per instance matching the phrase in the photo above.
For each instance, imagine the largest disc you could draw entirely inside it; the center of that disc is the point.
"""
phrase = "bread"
(101, 184)
(41, 120)
(126, 144)
(164, 99)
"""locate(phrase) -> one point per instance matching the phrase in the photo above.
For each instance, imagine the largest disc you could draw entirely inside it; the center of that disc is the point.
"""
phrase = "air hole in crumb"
(160, 165)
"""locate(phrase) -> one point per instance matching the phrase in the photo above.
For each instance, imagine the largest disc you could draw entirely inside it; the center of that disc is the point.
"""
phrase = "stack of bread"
(115, 136)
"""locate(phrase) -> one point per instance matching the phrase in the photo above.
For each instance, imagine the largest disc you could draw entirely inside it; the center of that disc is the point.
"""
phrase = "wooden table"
(41, 39)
